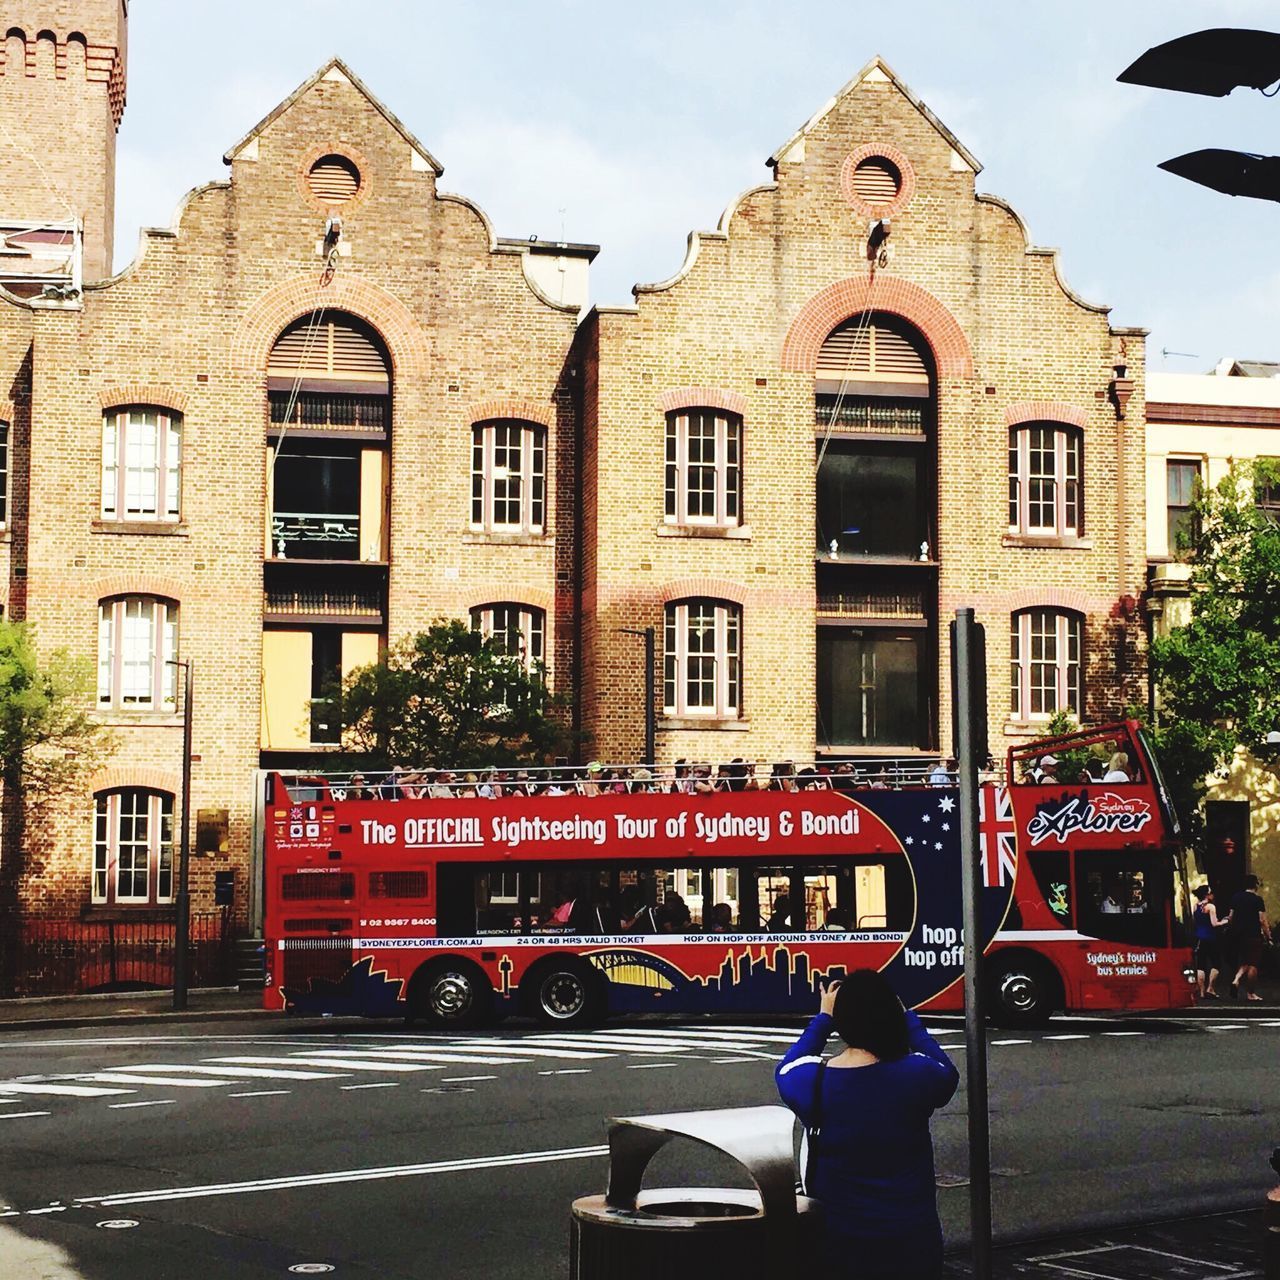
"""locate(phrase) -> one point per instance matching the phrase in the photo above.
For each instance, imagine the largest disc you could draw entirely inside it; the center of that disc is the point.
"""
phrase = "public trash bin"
(674, 1232)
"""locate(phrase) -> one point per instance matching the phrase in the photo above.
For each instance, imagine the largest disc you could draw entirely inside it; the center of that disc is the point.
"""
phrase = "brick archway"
(512, 407)
(118, 777)
(286, 302)
(702, 398)
(529, 596)
(136, 584)
(1045, 411)
(704, 588)
(847, 298)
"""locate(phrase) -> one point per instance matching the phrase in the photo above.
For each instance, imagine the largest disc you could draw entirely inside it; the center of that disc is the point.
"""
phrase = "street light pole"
(650, 715)
(182, 915)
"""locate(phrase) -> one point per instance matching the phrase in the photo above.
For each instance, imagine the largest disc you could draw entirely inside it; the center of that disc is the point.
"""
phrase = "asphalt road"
(227, 1150)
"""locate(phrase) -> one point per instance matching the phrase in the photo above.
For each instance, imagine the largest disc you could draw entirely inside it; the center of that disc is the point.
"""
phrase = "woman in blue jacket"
(872, 1166)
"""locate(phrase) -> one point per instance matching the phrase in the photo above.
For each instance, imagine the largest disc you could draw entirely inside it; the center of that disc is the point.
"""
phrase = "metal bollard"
(674, 1232)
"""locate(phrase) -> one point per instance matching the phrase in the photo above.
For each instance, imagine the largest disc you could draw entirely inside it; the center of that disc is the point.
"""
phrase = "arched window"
(137, 643)
(1045, 663)
(519, 630)
(333, 372)
(1044, 480)
(133, 836)
(508, 476)
(141, 464)
(702, 658)
(704, 467)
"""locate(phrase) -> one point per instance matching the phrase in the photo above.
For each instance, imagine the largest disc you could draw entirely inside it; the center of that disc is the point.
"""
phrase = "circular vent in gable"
(877, 180)
(333, 179)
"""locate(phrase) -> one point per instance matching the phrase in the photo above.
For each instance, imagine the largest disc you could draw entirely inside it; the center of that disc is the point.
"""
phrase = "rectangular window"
(1044, 481)
(133, 837)
(141, 465)
(702, 659)
(872, 501)
(315, 509)
(703, 477)
(1268, 489)
(1182, 479)
(137, 644)
(869, 687)
(1045, 664)
(508, 477)
(518, 630)
(4, 475)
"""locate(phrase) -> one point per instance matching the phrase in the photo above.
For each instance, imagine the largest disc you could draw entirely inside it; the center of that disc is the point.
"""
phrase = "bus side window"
(1124, 897)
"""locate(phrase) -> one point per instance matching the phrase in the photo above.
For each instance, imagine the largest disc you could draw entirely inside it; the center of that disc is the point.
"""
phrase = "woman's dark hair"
(1201, 891)
(869, 1016)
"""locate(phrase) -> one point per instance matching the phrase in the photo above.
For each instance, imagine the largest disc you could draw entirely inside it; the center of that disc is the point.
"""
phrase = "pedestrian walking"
(1208, 933)
(869, 1159)
(1250, 932)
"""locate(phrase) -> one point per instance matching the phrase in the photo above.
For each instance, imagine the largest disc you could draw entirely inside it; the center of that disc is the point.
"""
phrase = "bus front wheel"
(452, 994)
(567, 994)
(1022, 992)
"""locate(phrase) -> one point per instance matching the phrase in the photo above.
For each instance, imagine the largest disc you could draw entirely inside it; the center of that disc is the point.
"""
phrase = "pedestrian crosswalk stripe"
(175, 1082)
(417, 1055)
(637, 1043)
(1011, 1042)
(1069, 1037)
(62, 1090)
(347, 1063)
(256, 1073)
(23, 1115)
(538, 1050)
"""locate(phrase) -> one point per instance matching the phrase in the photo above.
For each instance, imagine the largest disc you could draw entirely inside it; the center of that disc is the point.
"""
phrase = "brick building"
(330, 405)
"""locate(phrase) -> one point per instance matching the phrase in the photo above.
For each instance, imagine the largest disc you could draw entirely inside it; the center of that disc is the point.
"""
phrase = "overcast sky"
(628, 125)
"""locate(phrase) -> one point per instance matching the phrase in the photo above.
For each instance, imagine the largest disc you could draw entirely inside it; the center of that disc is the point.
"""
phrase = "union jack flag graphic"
(996, 832)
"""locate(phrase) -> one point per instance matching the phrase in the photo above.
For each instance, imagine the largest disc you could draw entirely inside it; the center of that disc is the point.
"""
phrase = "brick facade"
(188, 329)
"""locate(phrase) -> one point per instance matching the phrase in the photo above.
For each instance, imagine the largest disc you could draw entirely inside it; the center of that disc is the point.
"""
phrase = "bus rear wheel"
(1022, 992)
(452, 993)
(567, 994)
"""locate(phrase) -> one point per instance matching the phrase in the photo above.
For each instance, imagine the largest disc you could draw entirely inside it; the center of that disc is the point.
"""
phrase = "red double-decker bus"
(580, 893)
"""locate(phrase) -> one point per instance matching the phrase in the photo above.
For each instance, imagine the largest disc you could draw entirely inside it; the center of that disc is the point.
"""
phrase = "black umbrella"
(1236, 173)
(1210, 62)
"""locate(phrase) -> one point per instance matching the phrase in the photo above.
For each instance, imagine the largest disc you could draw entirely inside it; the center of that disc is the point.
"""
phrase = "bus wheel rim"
(1018, 991)
(451, 995)
(563, 995)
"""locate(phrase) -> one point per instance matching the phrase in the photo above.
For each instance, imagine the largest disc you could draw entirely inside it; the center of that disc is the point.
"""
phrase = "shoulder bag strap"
(814, 1132)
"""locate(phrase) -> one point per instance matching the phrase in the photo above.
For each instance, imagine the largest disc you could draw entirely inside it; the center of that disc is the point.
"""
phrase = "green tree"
(449, 697)
(1217, 679)
(49, 741)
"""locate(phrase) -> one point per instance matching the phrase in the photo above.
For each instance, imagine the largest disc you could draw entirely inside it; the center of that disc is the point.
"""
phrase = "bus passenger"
(635, 916)
(837, 921)
(701, 781)
(720, 918)
(733, 776)
(674, 915)
(642, 782)
(779, 920)
(357, 790)
(441, 788)
(844, 780)
(1112, 904)
(467, 787)
(590, 785)
(1117, 768)
(783, 777)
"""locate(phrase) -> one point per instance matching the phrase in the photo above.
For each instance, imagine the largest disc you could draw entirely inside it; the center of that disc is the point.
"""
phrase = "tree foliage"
(1217, 679)
(48, 735)
(449, 697)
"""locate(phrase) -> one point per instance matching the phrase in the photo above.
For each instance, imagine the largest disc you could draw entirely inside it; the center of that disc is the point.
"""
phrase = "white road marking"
(414, 1055)
(453, 1088)
(345, 1062)
(568, 1071)
(536, 1051)
(617, 1042)
(63, 1090)
(343, 1176)
(1124, 1033)
(177, 1082)
(1068, 1037)
(160, 1102)
(261, 1093)
(23, 1115)
(1011, 1042)
(464, 1079)
(257, 1073)
(1229, 1027)
(735, 1059)
(378, 1084)
(651, 1066)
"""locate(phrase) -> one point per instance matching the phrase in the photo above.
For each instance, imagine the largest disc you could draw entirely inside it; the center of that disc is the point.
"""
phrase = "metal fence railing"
(47, 957)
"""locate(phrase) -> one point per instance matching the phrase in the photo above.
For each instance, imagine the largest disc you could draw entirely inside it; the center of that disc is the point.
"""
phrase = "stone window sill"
(717, 723)
(480, 538)
(114, 718)
(1038, 540)
(1026, 728)
(152, 528)
(735, 533)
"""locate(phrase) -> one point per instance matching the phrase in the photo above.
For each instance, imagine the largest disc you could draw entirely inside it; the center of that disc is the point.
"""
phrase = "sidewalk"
(1220, 1246)
(206, 1004)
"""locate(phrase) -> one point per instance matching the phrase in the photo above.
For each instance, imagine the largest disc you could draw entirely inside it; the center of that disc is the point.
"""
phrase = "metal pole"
(974, 1020)
(182, 922)
(650, 712)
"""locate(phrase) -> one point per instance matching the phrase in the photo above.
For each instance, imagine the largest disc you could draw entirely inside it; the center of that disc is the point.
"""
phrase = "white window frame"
(721, 477)
(1056, 463)
(702, 659)
(493, 476)
(142, 465)
(133, 841)
(137, 645)
(529, 630)
(1046, 663)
